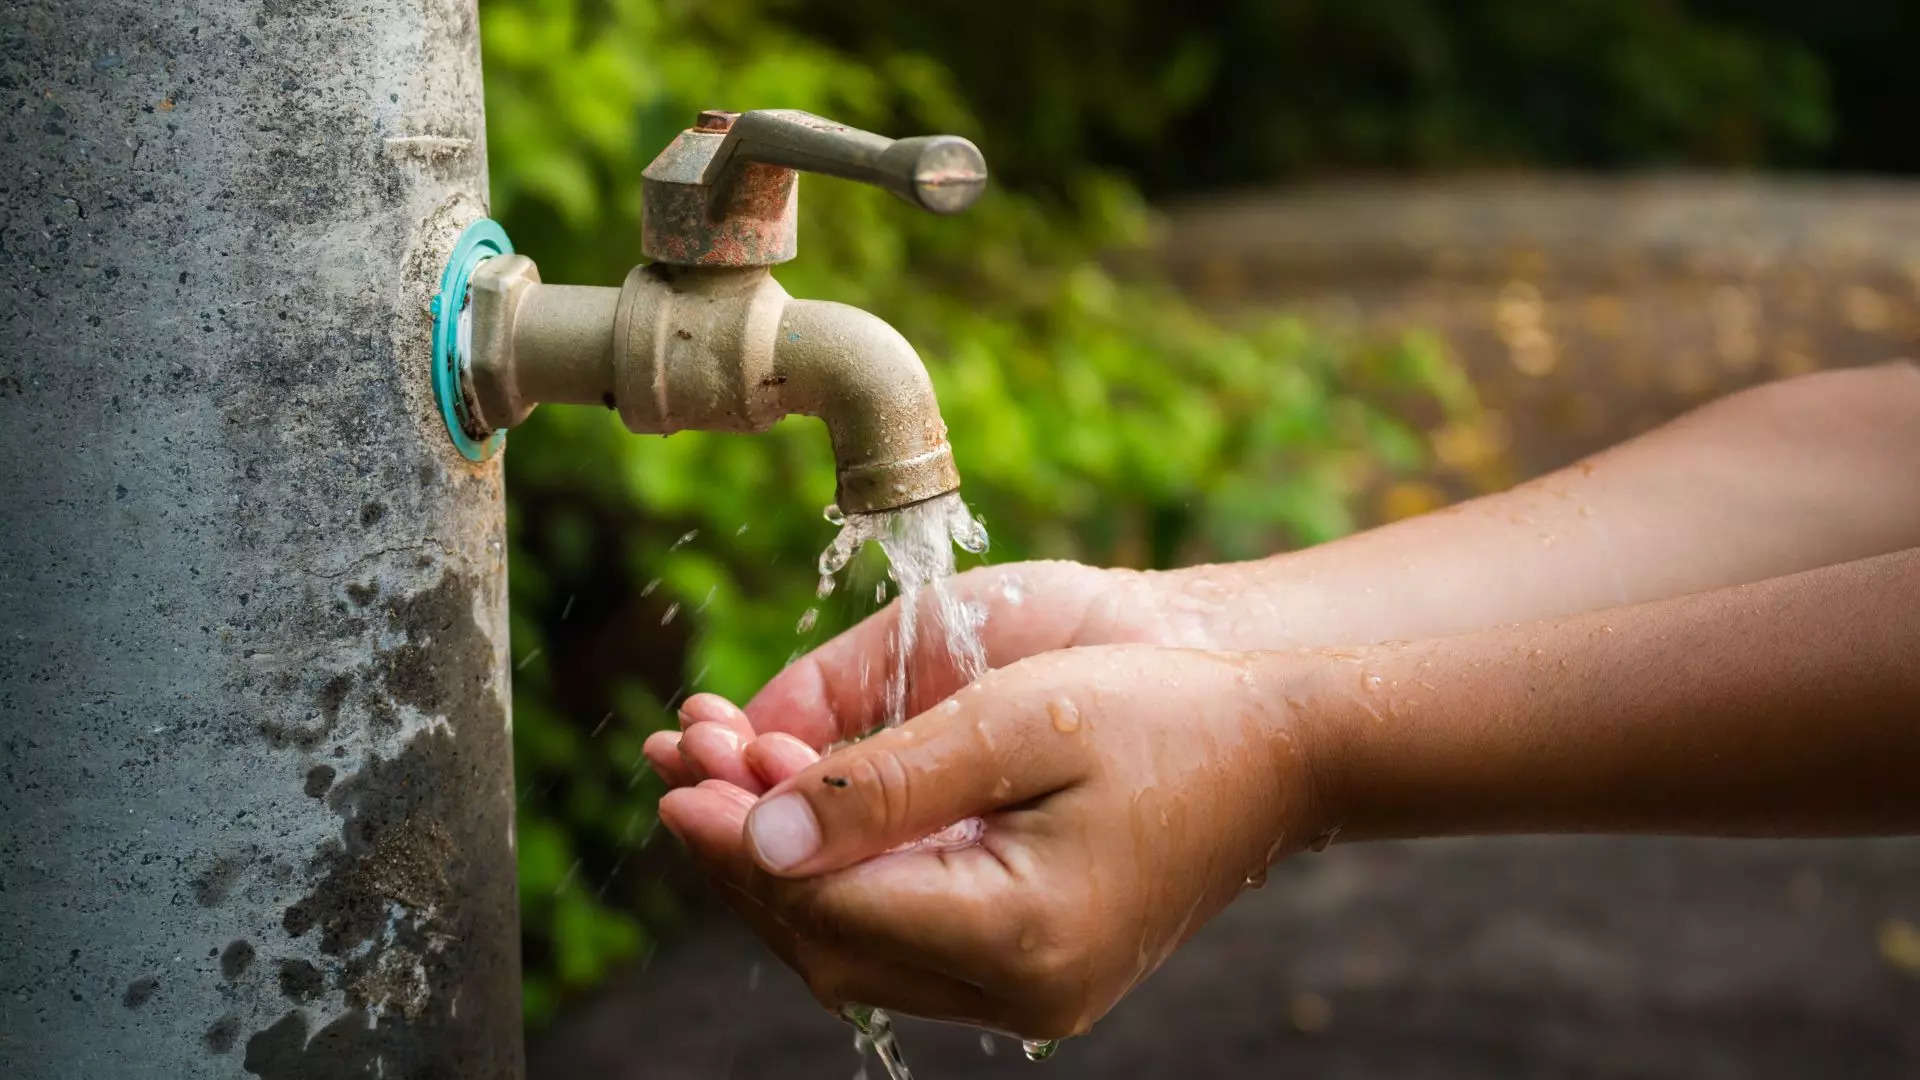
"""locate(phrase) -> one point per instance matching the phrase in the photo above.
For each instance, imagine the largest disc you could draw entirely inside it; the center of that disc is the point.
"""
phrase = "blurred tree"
(1199, 95)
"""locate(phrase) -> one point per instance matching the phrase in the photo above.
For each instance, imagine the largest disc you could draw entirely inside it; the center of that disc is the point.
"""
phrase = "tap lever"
(940, 173)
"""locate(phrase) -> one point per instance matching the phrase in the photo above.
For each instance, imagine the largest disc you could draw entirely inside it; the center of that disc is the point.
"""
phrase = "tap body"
(703, 336)
(680, 348)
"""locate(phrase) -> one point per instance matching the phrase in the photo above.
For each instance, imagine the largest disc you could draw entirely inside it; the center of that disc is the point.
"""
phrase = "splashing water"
(876, 1030)
(918, 541)
(1039, 1049)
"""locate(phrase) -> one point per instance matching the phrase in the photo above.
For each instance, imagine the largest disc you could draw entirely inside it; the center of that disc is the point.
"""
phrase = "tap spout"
(858, 375)
(713, 349)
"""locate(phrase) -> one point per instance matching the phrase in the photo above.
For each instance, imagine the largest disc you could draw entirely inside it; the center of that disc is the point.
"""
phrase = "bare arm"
(1788, 707)
(1103, 834)
(1781, 478)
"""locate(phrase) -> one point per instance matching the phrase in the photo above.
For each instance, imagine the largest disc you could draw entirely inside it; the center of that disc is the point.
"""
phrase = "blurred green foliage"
(1094, 415)
(1232, 91)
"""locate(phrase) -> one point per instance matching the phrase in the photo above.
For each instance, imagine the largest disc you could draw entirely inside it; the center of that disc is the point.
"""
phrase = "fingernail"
(783, 831)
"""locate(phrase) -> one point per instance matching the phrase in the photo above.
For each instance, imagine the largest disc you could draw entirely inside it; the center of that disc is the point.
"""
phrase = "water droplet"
(647, 590)
(1066, 718)
(806, 622)
(673, 609)
(986, 1045)
(685, 539)
(880, 593)
(707, 599)
(1011, 590)
(833, 515)
(742, 530)
(1321, 842)
(1039, 1049)
(1374, 683)
(825, 588)
(1257, 879)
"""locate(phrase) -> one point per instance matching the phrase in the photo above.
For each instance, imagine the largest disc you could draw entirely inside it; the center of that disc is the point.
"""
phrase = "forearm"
(1791, 706)
(1778, 479)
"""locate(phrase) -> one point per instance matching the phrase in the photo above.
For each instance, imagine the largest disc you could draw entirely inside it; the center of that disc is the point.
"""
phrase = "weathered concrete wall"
(254, 753)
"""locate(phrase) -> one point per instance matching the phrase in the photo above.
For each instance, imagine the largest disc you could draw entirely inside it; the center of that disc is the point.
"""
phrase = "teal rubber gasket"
(481, 241)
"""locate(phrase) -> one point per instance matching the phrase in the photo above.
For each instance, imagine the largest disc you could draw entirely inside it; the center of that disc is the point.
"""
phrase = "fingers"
(716, 751)
(835, 692)
(955, 913)
(776, 757)
(680, 762)
(662, 749)
(838, 691)
(990, 747)
(712, 708)
(708, 819)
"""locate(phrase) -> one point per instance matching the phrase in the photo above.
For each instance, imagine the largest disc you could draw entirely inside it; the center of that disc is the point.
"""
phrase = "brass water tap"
(702, 337)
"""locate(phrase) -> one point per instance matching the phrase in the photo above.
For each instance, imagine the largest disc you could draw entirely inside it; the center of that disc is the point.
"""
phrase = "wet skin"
(1147, 743)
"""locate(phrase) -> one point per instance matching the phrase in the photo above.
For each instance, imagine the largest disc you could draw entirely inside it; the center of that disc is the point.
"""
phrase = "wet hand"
(1125, 795)
(838, 691)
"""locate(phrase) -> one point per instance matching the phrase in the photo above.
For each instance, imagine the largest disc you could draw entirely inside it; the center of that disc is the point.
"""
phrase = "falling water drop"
(833, 515)
(807, 619)
(685, 539)
(1039, 1049)
(672, 610)
(876, 1030)
(647, 590)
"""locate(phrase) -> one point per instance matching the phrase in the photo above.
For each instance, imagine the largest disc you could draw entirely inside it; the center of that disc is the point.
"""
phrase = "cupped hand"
(838, 691)
(1125, 794)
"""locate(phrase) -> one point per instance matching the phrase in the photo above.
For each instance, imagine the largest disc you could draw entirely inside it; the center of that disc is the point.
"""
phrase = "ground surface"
(1467, 959)
(1587, 311)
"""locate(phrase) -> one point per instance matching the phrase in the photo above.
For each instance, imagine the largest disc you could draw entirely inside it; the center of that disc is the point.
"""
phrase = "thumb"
(991, 746)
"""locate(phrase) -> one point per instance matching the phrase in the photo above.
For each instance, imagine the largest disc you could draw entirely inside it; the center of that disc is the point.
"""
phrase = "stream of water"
(918, 541)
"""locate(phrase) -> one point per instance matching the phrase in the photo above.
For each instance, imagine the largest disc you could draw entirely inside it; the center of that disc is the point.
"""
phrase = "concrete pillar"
(255, 781)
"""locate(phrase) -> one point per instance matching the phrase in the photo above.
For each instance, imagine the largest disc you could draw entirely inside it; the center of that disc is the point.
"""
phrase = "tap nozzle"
(679, 348)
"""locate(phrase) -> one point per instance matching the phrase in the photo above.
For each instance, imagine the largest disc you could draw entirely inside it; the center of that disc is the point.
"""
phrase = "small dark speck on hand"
(319, 779)
(774, 380)
(683, 335)
(835, 781)
(139, 990)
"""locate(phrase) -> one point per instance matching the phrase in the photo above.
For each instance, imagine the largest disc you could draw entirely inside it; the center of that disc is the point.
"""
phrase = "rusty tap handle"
(941, 173)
